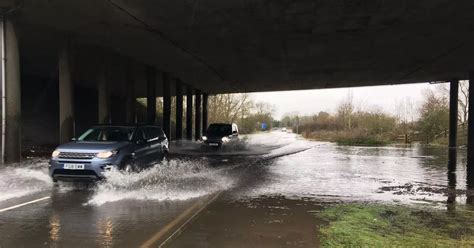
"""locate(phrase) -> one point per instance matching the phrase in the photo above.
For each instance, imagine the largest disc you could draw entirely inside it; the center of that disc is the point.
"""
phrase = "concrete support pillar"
(11, 140)
(189, 113)
(179, 110)
(66, 95)
(151, 95)
(470, 137)
(453, 130)
(130, 113)
(205, 98)
(166, 105)
(103, 95)
(453, 127)
(197, 119)
(453, 113)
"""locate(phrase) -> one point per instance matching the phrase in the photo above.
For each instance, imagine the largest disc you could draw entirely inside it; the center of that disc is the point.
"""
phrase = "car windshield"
(105, 134)
(219, 130)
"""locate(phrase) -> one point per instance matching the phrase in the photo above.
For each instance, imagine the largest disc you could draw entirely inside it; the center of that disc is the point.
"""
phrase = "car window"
(219, 130)
(152, 133)
(104, 134)
(140, 135)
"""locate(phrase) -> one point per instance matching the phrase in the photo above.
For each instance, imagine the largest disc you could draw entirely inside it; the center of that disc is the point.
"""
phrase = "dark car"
(218, 134)
(104, 148)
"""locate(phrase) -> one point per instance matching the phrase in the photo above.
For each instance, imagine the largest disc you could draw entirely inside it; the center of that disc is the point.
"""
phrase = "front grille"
(76, 155)
(60, 172)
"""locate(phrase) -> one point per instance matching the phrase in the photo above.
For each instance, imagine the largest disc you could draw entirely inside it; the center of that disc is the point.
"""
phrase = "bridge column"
(197, 127)
(205, 98)
(66, 95)
(11, 122)
(103, 94)
(470, 138)
(166, 105)
(189, 113)
(130, 113)
(179, 110)
(453, 130)
(151, 95)
(453, 118)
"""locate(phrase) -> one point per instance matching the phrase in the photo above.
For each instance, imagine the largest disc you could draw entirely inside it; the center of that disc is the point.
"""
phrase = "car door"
(155, 147)
(141, 148)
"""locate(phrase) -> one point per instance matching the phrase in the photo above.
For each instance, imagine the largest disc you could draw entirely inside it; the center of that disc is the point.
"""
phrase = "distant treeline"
(355, 125)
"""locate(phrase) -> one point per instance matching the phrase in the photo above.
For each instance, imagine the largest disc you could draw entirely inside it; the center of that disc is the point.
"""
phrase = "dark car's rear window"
(219, 130)
(104, 134)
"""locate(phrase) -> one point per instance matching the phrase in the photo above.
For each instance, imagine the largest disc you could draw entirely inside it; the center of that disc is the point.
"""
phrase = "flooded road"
(266, 191)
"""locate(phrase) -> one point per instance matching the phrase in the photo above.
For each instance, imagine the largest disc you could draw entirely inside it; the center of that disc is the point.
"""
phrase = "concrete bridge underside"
(99, 55)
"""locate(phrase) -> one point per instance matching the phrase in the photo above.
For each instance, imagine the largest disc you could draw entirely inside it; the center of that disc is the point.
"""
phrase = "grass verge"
(357, 225)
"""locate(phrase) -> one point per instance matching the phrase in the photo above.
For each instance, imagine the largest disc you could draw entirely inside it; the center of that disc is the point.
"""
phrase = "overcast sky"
(307, 102)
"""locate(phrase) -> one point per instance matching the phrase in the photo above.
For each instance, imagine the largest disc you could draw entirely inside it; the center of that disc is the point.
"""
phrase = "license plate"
(213, 144)
(74, 166)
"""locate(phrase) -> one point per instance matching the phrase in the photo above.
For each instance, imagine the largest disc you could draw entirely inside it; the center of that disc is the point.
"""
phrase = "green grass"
(348, 138)
(357, 225)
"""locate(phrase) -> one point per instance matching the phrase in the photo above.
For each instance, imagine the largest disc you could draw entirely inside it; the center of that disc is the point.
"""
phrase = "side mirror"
(235, 133)
(141, 142)
(73, 139)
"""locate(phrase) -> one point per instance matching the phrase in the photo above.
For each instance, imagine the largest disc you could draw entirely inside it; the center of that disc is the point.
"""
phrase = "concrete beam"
(179, 110)
(205, 108)
(166, 105)
(197, 118)
(189, 113)
(11, 142)
(151, 94)
(66, 95)
(104, 112)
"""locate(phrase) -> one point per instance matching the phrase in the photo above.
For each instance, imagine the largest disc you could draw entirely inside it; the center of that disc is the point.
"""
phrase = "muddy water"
(327, 172)
(294, 168)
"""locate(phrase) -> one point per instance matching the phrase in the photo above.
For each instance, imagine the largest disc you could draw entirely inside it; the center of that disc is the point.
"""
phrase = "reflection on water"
(54, 228)
(105, 228)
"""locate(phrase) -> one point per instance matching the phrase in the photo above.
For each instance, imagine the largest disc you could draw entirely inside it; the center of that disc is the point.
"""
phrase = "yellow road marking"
(194, 210)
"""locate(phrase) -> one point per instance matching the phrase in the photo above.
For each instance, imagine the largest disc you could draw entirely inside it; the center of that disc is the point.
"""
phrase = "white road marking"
(24, 204)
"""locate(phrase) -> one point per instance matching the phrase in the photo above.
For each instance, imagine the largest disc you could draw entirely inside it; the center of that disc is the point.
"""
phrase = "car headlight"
(106, 154)
(225, 139)
(204, 138)
(55, 154)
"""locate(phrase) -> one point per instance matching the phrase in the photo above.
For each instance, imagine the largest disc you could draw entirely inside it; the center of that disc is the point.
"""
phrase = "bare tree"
(345, 110)
(463, 99)
(463, 102)
(229, 107)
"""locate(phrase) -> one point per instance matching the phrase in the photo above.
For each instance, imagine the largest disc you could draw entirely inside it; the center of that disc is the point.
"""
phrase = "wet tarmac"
(266, 194)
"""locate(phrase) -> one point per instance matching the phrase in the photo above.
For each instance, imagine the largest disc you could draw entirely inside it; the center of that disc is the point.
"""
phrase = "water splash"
(24, 179)
(168, 180)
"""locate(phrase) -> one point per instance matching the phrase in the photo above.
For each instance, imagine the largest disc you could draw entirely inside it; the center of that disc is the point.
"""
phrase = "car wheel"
(128, 167)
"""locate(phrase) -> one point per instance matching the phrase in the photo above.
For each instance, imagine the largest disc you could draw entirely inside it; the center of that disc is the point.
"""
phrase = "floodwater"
(270, 184)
